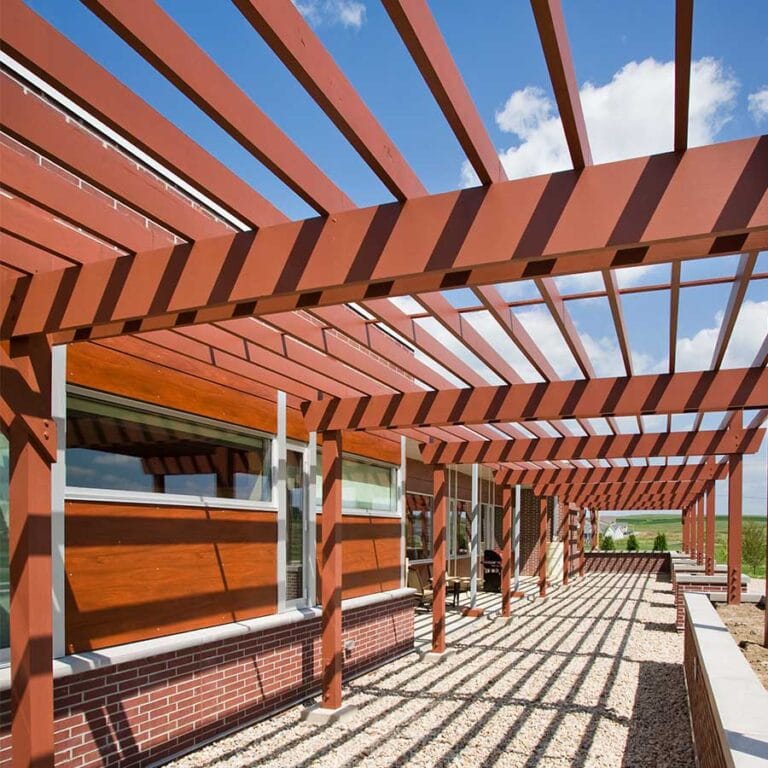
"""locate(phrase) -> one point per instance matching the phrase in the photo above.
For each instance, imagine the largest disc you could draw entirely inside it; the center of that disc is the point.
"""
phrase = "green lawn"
(647, 526)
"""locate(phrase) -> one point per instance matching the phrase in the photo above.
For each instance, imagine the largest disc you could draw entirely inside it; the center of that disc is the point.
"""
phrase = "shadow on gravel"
(661, 708)
(660, 626)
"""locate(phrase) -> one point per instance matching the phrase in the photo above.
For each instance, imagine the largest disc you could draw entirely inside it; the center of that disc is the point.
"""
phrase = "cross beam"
(543, 478)
(710, 201)
(625, 396)
(592, 496)
(563, 490)
(705, 443)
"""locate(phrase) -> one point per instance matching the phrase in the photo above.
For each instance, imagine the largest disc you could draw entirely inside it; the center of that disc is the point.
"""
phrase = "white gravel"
(590, 676)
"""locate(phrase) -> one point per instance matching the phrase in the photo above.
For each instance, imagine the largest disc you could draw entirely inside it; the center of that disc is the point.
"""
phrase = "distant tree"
(632, 545)
(608, 544)
(753, 544)
(660, 542)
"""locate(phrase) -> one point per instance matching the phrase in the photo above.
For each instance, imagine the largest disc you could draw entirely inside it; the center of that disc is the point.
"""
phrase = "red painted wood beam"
(49, 55)
(705, 443)
(155, 36)
(565, 537)
(601, 499)
(735, 490)
(709, 561)
(598, 489)
(330, 582)
(557, 52)
(439, 555)
(425, 244)
(506, 548)
(543, 480)
(299, 48)
(557, 489)
(22, 175)
(32, 444)
(421, 35)
(39, 228)
(47, 130)
(700, 552)
(543, 544)
(582, 528)
(683, 45)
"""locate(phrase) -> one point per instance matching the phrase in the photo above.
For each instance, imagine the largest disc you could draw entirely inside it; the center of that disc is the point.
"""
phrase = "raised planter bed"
(728, 705)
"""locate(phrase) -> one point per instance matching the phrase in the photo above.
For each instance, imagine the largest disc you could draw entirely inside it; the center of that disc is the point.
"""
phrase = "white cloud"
(348, 13)
(629, 116)
(695, 352)
(758, 104)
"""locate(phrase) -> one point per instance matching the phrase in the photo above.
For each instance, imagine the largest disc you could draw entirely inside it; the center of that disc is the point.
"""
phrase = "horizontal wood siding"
(106, 370)
(134, 572)
(370, 555)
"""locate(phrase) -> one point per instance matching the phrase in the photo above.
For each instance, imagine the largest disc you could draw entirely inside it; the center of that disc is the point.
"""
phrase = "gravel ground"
(590, 676)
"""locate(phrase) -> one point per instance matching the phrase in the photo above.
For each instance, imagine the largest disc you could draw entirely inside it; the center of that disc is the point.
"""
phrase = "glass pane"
(121, 448)
(5, 586)
(418, 526)
(367, 486)
(294, 533)
(364, 486)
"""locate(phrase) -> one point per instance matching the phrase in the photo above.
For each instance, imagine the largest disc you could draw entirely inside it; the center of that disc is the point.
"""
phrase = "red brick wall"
(627, 562)
(142, 711)
(529, 531)
(679, 589)
(706, 741)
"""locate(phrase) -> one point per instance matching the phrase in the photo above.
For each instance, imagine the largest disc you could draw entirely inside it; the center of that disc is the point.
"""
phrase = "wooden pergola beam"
(509, 231)
(544, 478)
(704, 443)
(724, 390)
(48, 54)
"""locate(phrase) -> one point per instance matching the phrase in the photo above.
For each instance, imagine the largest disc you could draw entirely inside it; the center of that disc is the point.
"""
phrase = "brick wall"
(138, 712)
(627, 562)
(680, 587)
(529, 531)
(706, 741)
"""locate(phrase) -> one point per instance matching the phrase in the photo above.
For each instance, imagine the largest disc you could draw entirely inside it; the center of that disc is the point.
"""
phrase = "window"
(418, 526)
(126, 447)
(365, 486)
(5, 586)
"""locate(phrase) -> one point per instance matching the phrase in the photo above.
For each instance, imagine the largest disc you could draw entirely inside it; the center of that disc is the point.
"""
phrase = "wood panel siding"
(134, 572)
(370, 555)
(107, 370)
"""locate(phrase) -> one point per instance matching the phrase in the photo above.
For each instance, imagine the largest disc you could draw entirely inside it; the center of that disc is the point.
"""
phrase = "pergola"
(119, 231)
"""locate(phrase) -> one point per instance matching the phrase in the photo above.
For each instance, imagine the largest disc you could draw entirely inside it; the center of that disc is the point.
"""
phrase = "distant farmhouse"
(617, 531)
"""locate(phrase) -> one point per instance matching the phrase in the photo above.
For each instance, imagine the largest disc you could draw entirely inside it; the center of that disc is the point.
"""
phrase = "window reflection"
(124, 448)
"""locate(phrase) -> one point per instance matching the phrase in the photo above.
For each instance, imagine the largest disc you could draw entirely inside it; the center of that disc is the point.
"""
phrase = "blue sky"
(622, 53)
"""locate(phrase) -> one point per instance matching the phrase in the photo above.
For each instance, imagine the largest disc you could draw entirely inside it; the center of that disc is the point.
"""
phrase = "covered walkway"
(589, 676)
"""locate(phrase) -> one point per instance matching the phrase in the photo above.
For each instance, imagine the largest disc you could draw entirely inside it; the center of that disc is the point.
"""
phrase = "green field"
(646, 527)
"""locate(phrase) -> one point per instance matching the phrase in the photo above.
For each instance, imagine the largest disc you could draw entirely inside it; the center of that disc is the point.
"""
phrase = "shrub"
(660, 542)
(753, 544)
(608, 544)
(632, 545)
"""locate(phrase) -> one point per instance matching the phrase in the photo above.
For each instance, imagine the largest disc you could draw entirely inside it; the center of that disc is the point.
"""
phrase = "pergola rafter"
(119, 231)
(706, 443)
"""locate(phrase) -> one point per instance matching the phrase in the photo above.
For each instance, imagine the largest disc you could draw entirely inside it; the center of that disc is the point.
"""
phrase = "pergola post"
(700, 530)
(565, 524)
(332, 652)
(709, 559)
(684, 526)
(595, 531)
(439, 514)
(32, 443)
(474, 544)
(506, 549)
(694, 533)
(735, 472)
(543, 536)
(582, 526)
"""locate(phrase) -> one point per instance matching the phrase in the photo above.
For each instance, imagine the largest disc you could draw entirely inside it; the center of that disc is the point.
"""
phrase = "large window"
(118, 446)
(5, 586)
(418, 526)
(365, 486)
